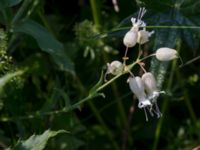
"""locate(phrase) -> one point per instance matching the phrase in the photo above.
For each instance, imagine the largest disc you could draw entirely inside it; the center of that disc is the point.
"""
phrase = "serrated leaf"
(37, 142)
(47, 43)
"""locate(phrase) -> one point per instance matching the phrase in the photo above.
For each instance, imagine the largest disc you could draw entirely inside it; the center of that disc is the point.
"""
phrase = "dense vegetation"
(54, 55)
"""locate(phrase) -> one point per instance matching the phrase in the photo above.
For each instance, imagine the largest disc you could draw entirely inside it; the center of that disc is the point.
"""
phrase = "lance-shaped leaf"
(36, 142)
(47, 43)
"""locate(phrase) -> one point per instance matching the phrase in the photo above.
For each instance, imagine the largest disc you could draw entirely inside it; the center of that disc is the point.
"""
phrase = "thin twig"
(127, 127)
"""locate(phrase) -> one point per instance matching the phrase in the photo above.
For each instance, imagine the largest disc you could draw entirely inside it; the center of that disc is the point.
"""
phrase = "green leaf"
(98, 84)
(47, 43)
(9, 3)
(36, 142)
(8, 77)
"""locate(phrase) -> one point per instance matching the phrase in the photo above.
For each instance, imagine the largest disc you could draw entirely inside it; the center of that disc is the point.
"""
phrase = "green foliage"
(52, 61)
(47, 43)
(36, 142)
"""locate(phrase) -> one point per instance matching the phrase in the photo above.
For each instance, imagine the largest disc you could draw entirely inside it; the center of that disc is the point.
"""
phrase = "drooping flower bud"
(143, 36)
(137, 87)
(152, 91)
(150, 85)
(130, 38)
(166, 54)
(114, 68)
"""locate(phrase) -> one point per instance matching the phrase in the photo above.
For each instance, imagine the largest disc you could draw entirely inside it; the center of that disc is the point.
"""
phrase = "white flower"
(114, 68)
(152, 91)
(130, 38)
(143, 36)
(137, 22)
(137, 87)
(150, 85)
(166, 54)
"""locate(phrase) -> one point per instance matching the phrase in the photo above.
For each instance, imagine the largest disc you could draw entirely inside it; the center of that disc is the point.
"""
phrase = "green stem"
(22, 10)
(186, 97)
(165, 102)
(95, 13)
(106, 129)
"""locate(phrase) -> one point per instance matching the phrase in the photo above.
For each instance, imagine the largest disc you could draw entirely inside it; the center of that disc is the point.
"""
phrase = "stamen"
(150, 111)
(157, 113)
(146, 117)
(158, 110)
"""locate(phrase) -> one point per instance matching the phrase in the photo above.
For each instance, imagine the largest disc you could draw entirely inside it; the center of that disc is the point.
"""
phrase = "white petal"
(136, 85)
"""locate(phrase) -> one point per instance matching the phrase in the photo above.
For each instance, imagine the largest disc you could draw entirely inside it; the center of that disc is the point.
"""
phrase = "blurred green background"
(52, 52)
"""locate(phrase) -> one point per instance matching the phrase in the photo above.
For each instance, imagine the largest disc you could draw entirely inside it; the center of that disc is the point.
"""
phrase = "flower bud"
(143, 36)
(115, 67)
(166, 54)
(137, 87)
(130, 38)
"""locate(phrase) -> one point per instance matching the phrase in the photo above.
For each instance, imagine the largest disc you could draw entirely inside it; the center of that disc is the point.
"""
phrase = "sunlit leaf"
(8, 77)
(36, 142)
(47, 43)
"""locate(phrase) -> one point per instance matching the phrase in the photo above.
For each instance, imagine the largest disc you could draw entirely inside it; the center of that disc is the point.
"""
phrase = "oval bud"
(115, 67)
(166, 54)
(130, 38)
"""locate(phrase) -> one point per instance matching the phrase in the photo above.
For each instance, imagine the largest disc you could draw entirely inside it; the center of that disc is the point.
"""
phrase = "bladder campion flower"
(130, 38)
(151, 90)
(137, 87)
(143, 36)
(166, 54)
(115, 67)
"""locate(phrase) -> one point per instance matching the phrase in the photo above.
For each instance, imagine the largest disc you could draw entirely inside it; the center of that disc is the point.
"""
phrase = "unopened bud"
(130, 38)
(166, 54)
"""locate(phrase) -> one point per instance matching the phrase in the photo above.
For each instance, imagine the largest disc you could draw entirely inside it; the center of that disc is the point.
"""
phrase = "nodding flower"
(152, 91)
(166, 54)
(137, 87)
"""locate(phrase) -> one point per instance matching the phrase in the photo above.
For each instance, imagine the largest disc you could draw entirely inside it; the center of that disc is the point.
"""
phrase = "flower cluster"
(135, 35)
(146, 91)
(144, 87)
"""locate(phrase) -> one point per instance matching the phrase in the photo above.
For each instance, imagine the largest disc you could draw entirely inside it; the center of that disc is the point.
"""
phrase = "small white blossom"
(137, 22)
(143, 36)
(166, 54)
(137, 87)
(152, 91)
(114, 68)
(130, 38)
